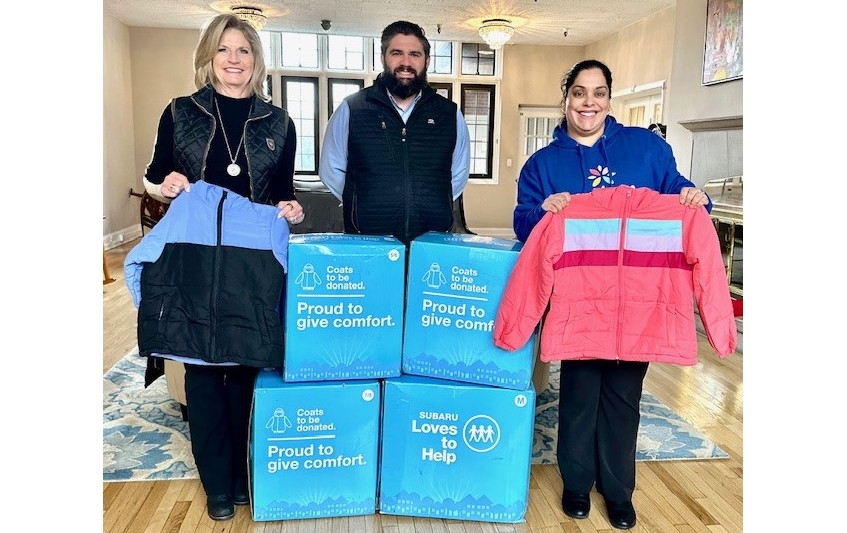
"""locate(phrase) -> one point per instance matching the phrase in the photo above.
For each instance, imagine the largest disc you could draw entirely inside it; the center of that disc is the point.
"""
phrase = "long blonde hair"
(207, 48)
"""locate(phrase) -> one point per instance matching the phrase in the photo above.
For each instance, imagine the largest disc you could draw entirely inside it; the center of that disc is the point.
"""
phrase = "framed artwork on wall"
(723, 59)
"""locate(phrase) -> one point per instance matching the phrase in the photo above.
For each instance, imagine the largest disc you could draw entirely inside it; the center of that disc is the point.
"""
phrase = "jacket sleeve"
(711, 288)
(146, 251)
(529, 286)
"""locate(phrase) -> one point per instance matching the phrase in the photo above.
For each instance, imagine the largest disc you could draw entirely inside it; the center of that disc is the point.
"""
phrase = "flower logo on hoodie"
(601, 176)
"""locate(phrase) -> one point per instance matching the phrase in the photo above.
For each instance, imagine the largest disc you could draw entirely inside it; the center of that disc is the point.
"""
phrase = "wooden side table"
(106, 277)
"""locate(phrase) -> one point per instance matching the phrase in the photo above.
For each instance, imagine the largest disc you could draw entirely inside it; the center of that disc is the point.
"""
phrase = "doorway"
(536, 131)
(640, 105)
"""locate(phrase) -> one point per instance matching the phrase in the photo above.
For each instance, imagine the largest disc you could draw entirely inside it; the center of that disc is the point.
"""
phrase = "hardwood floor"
(670, 497)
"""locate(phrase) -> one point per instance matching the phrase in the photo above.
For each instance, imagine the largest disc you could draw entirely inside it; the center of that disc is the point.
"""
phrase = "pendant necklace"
(232, 169)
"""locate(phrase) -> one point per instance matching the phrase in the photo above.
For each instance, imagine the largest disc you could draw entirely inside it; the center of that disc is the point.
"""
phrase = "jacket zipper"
(216, 267)
(627, 208)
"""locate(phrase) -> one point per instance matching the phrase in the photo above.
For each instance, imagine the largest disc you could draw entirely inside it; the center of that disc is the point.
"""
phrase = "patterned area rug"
(145, 438)
(662, 434)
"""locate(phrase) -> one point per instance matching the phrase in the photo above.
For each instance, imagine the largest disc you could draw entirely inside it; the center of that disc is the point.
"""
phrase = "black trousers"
(219, 400)
(598, 426)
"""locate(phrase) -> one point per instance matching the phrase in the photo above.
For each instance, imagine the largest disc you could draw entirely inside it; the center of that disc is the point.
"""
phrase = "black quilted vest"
(399, 175)
(194, 127)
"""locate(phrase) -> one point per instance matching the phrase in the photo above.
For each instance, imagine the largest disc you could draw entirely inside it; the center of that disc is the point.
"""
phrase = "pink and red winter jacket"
(621, 269)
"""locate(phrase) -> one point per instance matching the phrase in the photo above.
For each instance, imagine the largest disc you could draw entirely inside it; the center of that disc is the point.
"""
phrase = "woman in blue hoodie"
(599, 400)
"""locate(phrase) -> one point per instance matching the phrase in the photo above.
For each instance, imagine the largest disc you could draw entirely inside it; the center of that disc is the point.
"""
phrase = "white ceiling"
(536, 21)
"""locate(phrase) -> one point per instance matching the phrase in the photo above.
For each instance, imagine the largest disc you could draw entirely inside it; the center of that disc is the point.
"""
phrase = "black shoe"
(621, 514)
(220, 507)
(575, 504)
(240, 494)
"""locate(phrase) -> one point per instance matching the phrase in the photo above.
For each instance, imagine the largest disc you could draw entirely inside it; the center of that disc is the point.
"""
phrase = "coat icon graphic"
(433, 277)
(308, 279)
(278, 423)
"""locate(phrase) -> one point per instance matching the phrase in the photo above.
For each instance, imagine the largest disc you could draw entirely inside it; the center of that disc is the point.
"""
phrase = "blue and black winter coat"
(208, 280)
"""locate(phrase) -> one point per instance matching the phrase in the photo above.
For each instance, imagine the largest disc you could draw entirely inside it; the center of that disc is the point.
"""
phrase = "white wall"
(120, 210)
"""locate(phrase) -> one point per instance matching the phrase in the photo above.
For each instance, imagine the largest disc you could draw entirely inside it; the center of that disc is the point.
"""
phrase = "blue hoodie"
(623, 155)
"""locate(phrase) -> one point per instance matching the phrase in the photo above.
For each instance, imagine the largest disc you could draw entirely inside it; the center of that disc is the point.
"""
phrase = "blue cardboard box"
(344, 307)
(455, 450)
(454, 286)
(314, 448)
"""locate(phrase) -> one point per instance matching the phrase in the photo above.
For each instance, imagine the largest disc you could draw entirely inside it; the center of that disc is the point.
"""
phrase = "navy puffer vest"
(399, 175)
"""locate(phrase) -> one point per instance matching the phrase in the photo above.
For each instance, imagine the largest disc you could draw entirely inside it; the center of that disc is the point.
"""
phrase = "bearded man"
(397, 153)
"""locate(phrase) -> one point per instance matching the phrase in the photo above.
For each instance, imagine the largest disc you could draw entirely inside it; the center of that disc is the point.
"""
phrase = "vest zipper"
(247, 152)
(408, 193)
(209, 143)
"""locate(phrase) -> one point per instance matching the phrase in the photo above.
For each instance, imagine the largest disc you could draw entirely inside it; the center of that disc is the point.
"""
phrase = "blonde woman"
(229, 135)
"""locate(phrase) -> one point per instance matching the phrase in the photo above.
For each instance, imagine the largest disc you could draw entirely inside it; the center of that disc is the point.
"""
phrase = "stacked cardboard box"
(314, 448)
(454, 427)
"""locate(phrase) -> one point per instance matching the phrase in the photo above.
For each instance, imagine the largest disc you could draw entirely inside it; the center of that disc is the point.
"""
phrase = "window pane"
(341, 89)
(478, 110)
(346, 52)
(444, 89)
(299, 50)
(486, 66)
(266, 48)
(441, 57)
(301, 100)
(377, 64)
(538, 133)
(477, 59)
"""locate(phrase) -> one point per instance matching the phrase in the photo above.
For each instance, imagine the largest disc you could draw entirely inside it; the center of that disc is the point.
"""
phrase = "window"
(478, 110)
(299, 50)
(538, 133)
(444, 89)
(376, 66)
(345, 52)
(300, 97)
(440, 57)
(477, 59)
(340, 89)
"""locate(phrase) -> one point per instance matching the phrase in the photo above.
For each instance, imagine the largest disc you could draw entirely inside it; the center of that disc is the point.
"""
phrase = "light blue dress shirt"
(333, 164)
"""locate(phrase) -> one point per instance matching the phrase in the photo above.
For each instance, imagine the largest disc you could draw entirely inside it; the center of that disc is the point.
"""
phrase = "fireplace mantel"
(713, 124)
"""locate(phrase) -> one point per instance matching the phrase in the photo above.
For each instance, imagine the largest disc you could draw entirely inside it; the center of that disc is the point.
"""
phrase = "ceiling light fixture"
(496, 32)
(252, 15)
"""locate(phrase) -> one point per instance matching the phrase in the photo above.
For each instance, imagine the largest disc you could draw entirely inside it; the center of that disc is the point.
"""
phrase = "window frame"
(490, 148)
(313, 80)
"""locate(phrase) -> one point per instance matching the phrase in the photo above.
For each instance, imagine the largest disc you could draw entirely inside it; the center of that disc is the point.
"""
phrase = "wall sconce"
(496, 32)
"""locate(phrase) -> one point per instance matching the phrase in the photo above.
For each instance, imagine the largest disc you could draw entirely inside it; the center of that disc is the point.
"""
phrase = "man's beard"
(403, 88)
